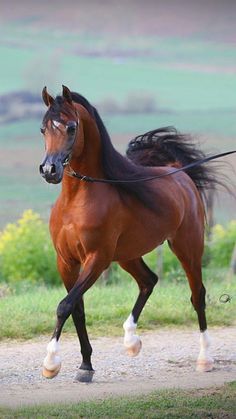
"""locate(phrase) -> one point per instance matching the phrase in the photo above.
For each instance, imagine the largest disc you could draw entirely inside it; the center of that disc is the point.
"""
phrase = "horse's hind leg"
(146, 281)
(190, 254)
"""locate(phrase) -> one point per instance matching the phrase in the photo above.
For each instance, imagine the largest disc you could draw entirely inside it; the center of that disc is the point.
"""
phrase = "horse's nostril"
(41, 171)
(53, 169)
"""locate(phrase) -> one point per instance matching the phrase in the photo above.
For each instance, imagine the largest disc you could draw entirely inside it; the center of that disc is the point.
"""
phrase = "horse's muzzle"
(52, 169)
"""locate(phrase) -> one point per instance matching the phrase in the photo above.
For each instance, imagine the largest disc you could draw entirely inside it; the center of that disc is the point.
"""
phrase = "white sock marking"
(52, 360)
(130, 339)
(204, 355)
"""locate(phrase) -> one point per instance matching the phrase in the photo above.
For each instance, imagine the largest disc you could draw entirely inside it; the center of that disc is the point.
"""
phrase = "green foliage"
(222, 244)
(26, 252)
(170, 262)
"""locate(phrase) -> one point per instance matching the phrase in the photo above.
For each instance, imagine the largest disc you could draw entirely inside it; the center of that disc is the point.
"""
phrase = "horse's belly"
(138, 242)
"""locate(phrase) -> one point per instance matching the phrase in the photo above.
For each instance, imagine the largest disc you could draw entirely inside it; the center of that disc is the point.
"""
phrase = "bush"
(26, 251)
(222, 244)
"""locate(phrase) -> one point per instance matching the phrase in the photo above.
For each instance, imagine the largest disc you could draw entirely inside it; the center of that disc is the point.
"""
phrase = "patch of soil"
(167, 360)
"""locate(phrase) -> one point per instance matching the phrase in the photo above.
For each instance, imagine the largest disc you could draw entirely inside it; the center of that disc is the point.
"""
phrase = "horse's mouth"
(53, 181)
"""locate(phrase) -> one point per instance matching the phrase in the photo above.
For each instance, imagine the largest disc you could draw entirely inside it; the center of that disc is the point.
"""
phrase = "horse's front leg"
(52, 362)
(146, 280)
(69, 272)
(73, 304)
(86, 371)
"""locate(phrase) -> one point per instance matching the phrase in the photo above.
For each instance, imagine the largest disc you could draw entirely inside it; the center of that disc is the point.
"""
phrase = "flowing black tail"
(167, 147)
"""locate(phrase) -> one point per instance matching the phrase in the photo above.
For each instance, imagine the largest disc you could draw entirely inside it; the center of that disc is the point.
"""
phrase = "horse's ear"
(66, 93)
(48, 100)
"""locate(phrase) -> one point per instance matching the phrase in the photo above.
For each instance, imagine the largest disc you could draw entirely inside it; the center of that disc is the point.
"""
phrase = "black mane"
(115, 166)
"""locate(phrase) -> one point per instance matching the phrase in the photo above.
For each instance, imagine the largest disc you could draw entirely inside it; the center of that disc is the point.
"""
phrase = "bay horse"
(96, 222)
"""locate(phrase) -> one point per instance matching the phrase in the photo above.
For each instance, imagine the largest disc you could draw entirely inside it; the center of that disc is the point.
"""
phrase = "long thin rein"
(79, 176)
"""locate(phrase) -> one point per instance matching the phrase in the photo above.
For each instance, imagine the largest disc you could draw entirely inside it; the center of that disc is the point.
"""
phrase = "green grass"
(108, 306)
(214, 403)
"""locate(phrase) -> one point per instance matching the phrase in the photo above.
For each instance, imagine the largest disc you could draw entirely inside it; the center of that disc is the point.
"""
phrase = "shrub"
(170, 261)
(222, 244)
(26, 252)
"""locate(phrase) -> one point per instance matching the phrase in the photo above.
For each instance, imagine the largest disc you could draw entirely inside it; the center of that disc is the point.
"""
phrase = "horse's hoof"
(84, 376)
(51, 374)
(204, 365)
(134, 349)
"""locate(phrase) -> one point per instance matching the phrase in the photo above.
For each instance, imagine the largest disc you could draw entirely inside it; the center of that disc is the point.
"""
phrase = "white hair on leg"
(52, 361)
(132, 342)
(205, 361)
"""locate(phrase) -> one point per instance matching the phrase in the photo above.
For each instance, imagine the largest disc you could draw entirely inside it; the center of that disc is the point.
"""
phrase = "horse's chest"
(77, 240)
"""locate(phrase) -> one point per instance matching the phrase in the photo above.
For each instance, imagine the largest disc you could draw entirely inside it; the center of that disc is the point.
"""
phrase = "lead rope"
(85, 178)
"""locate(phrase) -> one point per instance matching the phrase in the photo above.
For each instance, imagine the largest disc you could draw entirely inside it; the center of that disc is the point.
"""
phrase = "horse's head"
(60, 128)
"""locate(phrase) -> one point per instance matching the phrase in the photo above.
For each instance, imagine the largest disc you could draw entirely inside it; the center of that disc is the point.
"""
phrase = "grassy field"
(108, 306)
(214, 403)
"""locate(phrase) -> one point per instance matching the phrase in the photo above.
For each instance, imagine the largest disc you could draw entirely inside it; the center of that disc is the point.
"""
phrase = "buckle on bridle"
(70, 172)
(66, 161)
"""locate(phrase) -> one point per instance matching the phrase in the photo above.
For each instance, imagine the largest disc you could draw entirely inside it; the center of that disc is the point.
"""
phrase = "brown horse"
(95, 223)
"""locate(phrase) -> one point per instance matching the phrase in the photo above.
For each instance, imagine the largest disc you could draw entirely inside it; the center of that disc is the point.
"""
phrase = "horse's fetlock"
(86, 365)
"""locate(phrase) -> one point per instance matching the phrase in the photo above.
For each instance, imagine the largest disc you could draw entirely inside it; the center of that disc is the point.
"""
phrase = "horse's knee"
(64, 309)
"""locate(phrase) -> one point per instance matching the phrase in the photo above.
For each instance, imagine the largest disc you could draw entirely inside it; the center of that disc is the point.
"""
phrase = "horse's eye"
(42, 130)
(71, 128)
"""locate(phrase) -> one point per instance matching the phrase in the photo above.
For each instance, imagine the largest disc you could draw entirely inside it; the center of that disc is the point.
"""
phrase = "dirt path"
(167, 360)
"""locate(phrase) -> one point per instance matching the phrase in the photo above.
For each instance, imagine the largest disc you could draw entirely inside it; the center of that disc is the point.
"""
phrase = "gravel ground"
(167, 360)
